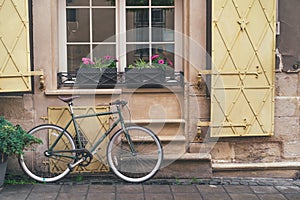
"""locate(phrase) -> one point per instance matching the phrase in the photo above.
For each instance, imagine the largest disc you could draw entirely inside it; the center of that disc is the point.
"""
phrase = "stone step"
(173, 144)
(187, 165)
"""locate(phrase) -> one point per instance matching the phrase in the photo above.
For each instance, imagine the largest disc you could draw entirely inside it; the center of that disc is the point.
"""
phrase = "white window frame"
(120, 33)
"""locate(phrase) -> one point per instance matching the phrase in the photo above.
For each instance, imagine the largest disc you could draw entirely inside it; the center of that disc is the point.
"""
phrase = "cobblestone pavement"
(198, 189)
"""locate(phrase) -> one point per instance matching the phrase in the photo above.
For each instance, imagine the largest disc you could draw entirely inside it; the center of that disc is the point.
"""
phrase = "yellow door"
(14, 46)
(243, 67)
(92, 129)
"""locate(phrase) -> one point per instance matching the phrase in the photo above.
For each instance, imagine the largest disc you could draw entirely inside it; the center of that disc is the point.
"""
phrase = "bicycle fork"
(127, 136)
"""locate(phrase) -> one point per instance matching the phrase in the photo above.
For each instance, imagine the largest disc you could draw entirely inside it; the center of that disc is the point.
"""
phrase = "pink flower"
(161, 61)
(154, 57)
(86, 61)
(169, 62)
(107, 57)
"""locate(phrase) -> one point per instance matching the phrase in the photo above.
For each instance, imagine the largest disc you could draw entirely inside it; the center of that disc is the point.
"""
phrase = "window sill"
(83, 91)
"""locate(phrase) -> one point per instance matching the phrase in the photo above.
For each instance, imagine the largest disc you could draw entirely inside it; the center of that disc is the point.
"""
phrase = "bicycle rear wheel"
(37, 164)
(140, 165)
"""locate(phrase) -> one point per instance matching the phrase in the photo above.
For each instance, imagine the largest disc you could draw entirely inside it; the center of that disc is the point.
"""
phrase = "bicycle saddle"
(67, 99)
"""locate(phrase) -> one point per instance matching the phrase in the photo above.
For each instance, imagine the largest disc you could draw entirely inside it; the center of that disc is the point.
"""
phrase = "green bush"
(13, 139)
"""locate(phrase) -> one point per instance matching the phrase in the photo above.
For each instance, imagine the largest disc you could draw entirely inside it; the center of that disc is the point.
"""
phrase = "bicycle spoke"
(139, 165)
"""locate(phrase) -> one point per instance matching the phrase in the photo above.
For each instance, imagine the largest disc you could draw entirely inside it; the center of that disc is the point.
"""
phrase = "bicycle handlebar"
(119, 102)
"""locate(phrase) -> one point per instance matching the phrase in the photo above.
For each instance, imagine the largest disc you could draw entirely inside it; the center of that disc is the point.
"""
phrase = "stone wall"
(284, 145)
(28, 109)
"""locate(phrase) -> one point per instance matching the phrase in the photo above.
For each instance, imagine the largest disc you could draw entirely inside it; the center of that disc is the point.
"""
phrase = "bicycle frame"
(93, 149)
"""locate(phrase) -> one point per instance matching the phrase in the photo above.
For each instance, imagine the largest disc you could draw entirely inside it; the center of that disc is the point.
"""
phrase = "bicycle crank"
(84, 156)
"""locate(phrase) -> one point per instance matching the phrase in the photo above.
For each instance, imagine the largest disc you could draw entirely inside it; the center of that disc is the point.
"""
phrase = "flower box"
(96, 78)
(144, 77)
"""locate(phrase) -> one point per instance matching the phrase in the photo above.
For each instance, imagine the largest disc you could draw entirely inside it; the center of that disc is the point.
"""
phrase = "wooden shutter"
(15, 75)
(243, 67)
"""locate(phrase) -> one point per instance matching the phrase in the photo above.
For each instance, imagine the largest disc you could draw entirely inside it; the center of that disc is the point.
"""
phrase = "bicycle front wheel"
(38, 163)
(135, 157)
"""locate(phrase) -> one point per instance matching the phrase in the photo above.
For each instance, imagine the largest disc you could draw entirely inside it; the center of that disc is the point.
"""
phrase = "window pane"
(165, 50)
(77, 2)
(104, 3)
(102, 50)
(75, 55)
(137, 25)
(78, 25)
(162, 2)
(162, 25)
(104, 28)
(137, 3)
(136, 52)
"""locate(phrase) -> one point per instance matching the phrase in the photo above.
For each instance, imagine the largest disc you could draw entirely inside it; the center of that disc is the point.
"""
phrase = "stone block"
(286, 84)
(222, 151)
(291, 150)
(286, 106)
(188, 166)
(287, 128)
(257, 152)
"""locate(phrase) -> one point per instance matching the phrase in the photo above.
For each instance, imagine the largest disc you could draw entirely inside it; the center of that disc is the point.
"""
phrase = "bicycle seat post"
(71, 107)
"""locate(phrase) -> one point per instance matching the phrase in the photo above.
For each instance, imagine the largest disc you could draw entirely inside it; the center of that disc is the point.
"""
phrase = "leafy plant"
(157, 61)
(104, 62)
(140, 63)
(13, 139)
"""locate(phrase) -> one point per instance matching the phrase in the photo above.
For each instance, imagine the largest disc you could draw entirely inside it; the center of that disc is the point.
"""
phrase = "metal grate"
(91, 128)
(65, 79)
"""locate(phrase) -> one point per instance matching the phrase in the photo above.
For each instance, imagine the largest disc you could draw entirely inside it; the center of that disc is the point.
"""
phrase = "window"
(149, 30)
(88, 23)
(126, 29)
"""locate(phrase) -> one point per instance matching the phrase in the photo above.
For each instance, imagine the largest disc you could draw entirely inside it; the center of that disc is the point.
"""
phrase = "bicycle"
(134, 153)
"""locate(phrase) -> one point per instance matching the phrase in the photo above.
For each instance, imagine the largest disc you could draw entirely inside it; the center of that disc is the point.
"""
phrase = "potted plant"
(101, 73)
(13, 140)
(147, 74)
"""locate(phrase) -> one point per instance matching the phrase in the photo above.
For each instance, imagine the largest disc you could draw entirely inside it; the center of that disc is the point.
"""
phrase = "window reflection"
(103, 25)
(137, 23)
(77, 2)
(75, 55)
(162, 2)
(101, 50)
(78, 25)
(162, 25)
(136, 52)
(103, 3)
(137, 3)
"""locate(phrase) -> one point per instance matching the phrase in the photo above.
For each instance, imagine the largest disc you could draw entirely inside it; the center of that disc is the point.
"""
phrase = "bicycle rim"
(44, 168)
(141, 165)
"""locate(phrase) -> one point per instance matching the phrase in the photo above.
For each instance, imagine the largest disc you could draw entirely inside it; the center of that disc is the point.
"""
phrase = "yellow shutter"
(92, 127)
(15, 64)
(243, 65)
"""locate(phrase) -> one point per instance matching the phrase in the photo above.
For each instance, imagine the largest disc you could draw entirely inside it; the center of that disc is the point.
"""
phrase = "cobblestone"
(173, 189)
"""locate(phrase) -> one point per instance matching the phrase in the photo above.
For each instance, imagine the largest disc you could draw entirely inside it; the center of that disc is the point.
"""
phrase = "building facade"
(229, 101)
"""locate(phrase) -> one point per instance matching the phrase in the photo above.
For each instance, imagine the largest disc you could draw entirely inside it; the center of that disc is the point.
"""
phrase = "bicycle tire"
(40, 167)
(139, 167)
